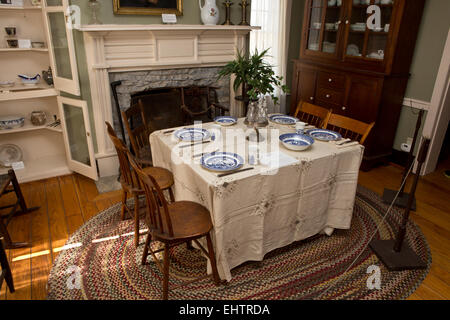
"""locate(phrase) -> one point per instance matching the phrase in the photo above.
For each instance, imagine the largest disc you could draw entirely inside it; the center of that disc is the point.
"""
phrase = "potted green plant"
(255, 75)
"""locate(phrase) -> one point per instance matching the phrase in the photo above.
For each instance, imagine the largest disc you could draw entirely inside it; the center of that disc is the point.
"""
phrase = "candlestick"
(227, 4)
(244, 4)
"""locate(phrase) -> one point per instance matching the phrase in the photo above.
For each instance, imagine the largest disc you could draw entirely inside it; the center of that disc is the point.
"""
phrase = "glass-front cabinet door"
(324, 27)
(61, 45)
(367, 29)
(77, 136)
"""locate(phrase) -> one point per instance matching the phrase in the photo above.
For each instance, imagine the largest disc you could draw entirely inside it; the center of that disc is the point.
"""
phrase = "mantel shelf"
(161, 27)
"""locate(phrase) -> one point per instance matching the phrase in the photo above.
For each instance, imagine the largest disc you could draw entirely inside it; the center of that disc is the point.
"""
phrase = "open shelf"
(30, 127)
(4, 7)
(21, 91)
(42, 168)
(23, 49)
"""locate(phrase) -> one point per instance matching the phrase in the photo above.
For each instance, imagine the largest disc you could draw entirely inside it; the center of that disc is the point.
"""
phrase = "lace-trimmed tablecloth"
(257, 211)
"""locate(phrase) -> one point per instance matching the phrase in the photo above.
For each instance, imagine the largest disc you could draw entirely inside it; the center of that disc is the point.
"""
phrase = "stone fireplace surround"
(142, 81)
(149, 56)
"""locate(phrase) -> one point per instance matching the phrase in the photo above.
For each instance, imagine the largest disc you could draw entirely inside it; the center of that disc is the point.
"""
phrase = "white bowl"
(29, 81)
(11, 122)
(296, 141)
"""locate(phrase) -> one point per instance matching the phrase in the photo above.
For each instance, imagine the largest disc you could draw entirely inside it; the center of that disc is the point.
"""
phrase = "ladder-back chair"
(350, 128)
(173, 224)
(313, 115)
(130, 182)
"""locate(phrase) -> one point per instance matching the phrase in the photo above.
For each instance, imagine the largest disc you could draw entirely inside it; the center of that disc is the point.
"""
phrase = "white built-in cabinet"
(47, 151)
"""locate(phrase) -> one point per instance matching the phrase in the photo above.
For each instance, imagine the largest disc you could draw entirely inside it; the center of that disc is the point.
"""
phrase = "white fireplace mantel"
(123, 48)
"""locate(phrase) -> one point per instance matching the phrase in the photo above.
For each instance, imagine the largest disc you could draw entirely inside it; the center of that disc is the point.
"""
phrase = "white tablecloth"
(257, 211)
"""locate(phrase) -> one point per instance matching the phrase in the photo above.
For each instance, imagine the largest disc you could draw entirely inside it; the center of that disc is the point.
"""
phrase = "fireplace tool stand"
(395, 254)
(402, 199)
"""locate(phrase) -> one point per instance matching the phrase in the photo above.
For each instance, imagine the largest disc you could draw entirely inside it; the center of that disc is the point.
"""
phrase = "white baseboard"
(417, 104)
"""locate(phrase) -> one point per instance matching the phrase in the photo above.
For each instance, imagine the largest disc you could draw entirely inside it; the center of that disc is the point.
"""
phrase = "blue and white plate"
(192, 134)
(324, 135)
(296, 142)
(282, 119)
(222, 161)
(225, 121)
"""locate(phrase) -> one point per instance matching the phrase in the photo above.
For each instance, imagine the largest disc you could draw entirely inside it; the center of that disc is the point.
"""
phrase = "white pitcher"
(210, 12)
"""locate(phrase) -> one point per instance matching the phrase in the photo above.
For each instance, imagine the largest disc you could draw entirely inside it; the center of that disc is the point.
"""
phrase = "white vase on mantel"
(209, 12)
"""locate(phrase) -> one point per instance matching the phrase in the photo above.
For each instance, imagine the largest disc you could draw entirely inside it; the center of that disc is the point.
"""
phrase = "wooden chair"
(9, 184)
(350, 128)
(138, 132)
(200, 104)
(5, 269)
(130, 181)
(312, 114)
(173, 224)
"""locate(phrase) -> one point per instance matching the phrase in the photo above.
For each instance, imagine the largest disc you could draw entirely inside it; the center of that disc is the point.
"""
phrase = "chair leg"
(136, 220)
(172, 197)
(212, 258)
(166, 272)
(6, 268)
(124, 205)
(147, 246)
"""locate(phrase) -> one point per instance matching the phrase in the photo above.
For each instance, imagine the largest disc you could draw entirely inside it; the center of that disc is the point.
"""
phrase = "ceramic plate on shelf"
(11, 122)
(282, 119)
(192, 134)
(296, 142)
(9, 154)
(222, 161)
(6, 84)
(225, 121)
(324, 135)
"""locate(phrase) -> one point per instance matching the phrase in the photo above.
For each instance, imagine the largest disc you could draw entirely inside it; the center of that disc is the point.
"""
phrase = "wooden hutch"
(359, 72)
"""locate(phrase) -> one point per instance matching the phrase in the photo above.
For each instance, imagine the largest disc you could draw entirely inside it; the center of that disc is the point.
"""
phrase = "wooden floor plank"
(41, 256)
(74, 214)
(89, 209)
(20, 231)
(56, 216)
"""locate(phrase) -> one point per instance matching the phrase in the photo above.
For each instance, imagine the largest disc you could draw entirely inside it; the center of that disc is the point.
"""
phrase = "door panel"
(306, 88)
(77, 136)
(61, 46)
(362, 98)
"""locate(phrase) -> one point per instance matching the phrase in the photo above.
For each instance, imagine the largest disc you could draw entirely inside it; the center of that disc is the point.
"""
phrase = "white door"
(60, 42)
(77, 136)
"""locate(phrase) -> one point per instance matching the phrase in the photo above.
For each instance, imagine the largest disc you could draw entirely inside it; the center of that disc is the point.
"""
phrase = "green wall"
(427, 57)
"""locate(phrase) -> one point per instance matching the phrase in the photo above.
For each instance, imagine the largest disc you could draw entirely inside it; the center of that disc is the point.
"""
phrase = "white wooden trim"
(439, 112)
(67, 85)
(86, 170)
(417, 104)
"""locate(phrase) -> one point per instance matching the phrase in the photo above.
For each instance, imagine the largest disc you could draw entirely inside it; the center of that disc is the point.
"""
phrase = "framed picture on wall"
(148, 7)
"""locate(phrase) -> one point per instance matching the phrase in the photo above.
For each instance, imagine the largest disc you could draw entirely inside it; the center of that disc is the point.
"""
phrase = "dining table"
(278, 196)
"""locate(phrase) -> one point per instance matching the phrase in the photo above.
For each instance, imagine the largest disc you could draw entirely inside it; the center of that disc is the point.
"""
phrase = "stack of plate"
(9, 154)
(329, 47)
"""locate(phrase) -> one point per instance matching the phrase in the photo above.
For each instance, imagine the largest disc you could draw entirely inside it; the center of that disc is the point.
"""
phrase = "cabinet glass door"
(61, 46)
(364, 39)
(324, 26)
(77, 136)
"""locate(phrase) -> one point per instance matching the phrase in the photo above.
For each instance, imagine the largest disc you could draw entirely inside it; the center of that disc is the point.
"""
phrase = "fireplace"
(154, 57)
(160, 93)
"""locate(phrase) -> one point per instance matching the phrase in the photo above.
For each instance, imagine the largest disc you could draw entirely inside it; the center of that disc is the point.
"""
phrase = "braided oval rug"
(110, 269)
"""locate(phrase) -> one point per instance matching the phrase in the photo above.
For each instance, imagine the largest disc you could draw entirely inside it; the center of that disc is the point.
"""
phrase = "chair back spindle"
(158, 213)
